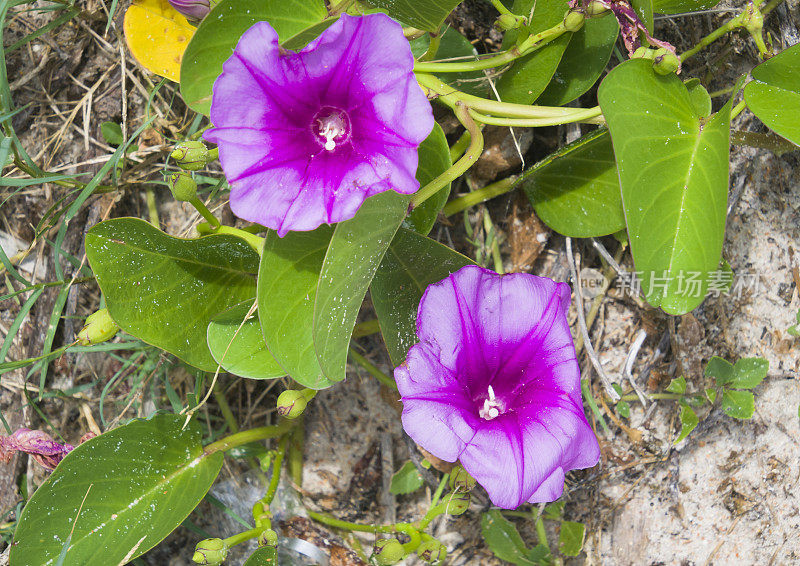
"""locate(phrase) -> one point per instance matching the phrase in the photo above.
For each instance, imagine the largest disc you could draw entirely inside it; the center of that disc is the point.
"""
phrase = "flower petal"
(436, 410)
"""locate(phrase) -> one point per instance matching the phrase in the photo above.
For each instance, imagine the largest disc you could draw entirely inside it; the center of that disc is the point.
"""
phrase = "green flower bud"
(665, 62)
(573, 20)
(432, 551)
(456, 503)
(183, 187)
(460, 480)
(210, 551)
(643, 53)
(509, 21)
(191, 155)
(753, 19)
(99, 327)
(596, 8)
(387, 551)
(268, 538)
(292, 402)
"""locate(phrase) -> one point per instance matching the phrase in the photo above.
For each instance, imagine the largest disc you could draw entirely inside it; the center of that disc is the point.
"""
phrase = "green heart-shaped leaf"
(166, 290)
(116, 496)
(354, 255)
(583, 61)
(237, 345)
(774, 94)
(528, 76)
(673, 170)
(287, 288)
(427, 15)
(575, 190)
(412, 263)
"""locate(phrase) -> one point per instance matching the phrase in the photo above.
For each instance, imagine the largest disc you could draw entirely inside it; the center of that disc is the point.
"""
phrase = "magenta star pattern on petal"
(494, 383)
(305, 137)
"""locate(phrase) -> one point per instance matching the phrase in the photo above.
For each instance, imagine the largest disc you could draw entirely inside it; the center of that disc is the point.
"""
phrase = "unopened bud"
(596, 8)
(460, 480)
(387, 551)
(98, 327)
(573, 20)
(268, 538)
(753, 19)
(509, 21)
(210, 551)
(643, 53)
(292, 402)
(432, 551)
(456, 503)
(665, 62)
(191, 155)
(183, 187)
(192, 9)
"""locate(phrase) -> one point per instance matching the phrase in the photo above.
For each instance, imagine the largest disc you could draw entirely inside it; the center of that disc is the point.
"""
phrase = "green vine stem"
(506, 113)
(247, 436)
(459, 167)
(478, 196)
(741, 20)
(531, 44)
(256, 242)
(277, 463)
(372, 370)
(239, 538)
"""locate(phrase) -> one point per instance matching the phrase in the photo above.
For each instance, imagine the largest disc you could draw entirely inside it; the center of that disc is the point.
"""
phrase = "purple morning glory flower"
(494, 383)
(192, 9)
(304, 138)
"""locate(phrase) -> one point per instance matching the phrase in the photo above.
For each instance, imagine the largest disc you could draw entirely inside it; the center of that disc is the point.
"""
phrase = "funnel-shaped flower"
(494, 383)
(305, 137)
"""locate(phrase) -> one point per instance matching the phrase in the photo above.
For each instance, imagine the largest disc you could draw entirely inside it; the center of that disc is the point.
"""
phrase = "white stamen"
(491, 407)
(330, 128)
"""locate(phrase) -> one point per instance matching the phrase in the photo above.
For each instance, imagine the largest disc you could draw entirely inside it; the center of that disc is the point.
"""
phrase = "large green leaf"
(166, 290)
(774, 94)
(644, 9)
(218, 33)
(427, 15)
(434, 159)
(673, 170)
(583, 61)
(355, 252)
(287, 288)
(412, 263)
(237, 345)
(575, 190)
(453, 45)
(117, 495)
(528, 76)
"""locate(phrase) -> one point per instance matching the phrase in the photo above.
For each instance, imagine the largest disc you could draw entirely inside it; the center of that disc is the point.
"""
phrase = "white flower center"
(332, 126)
(492, 407)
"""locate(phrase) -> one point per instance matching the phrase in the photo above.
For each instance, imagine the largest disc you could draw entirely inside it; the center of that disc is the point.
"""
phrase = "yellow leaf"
(157, 36)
